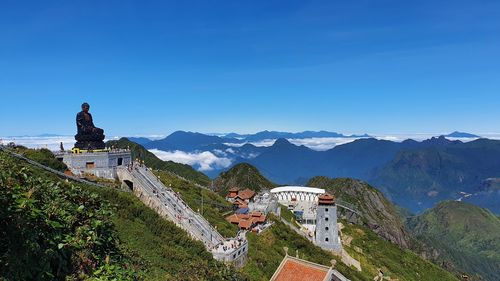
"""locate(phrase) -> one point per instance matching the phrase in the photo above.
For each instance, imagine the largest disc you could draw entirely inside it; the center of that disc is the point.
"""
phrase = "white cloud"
(321, 144)
(51, 143)
(234, 144)
(251, 155)
(219, 152)
(206, 160)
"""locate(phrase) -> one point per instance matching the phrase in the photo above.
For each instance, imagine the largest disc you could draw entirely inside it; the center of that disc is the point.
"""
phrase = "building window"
(326, 228)
(120, 161)
(326, 209)
(326, 219)
(90, 165)
(326, 239)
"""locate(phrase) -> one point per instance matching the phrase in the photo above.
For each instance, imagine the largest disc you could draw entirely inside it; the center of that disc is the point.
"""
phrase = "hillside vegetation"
(466, 237)
(42, 156)
(183, 170)
(243, 176)
(55, 230)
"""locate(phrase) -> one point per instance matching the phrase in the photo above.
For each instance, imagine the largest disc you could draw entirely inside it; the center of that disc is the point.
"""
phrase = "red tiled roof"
(326, 199)
(246, 194)
(256, 214)
(294, 270)
(244, 224)
(260, 219)
(245, 221)
(233, 219)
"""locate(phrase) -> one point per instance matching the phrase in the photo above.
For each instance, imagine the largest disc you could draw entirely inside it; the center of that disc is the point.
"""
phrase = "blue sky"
(153, 67)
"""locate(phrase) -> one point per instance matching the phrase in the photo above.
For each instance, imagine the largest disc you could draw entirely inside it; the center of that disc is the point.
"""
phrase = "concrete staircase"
(166, 202)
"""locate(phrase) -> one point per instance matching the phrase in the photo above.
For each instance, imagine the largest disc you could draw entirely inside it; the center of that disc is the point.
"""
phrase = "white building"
(287, 195)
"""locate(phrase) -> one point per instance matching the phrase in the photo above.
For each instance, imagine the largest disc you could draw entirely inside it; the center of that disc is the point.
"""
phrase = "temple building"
(295, 269)
(247, 221)
(240, 198)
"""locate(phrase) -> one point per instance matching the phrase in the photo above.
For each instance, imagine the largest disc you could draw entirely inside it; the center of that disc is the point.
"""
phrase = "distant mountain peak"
(458, 134)
(282, 142)
(441, 140)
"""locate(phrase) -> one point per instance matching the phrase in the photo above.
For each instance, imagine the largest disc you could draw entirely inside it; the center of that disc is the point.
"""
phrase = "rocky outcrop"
(375, 211)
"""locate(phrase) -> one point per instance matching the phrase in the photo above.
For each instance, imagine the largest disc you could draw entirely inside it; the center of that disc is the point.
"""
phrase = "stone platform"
(102, 164)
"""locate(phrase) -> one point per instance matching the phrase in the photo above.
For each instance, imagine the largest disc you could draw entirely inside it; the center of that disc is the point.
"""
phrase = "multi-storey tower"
(327, 234)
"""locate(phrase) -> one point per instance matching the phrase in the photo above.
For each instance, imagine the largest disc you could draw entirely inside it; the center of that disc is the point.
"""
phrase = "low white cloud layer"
(52, 143)
(320, 144)
(205, 161)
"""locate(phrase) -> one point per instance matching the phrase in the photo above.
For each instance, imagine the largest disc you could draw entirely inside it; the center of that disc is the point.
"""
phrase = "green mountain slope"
(464, 234)
(138, 151)
(430, 174)
(242, 175)
(52, 229)
(377, 213)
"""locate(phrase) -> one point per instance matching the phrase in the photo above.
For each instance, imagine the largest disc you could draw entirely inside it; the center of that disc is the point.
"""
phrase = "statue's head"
(85, 107)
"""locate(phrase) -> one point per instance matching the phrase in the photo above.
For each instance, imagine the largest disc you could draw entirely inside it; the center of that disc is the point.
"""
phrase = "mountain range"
(413, 174)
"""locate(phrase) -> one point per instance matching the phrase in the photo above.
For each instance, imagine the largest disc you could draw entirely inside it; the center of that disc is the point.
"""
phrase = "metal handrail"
(39, 165)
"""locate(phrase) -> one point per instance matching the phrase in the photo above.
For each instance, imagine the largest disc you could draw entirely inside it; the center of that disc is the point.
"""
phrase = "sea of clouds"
(218, 159)
(203, 161)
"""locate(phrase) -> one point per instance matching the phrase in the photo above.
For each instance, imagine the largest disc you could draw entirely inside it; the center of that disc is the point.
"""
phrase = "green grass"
(42, 156)
(288, 216)
(394, 262)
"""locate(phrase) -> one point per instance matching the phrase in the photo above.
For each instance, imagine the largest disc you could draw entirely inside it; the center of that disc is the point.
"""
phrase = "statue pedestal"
(90, 141)
(102, 164)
